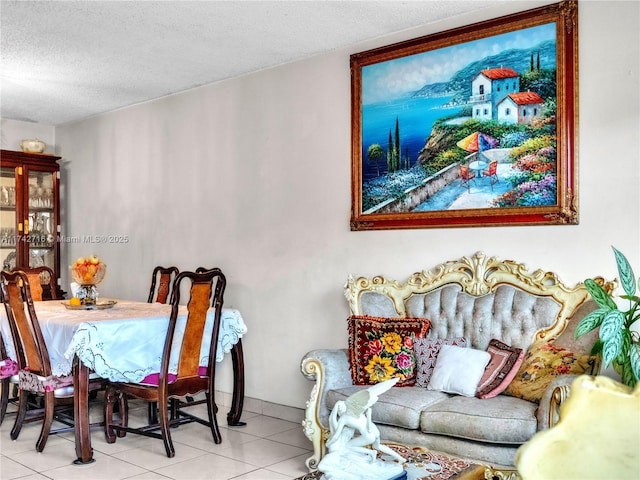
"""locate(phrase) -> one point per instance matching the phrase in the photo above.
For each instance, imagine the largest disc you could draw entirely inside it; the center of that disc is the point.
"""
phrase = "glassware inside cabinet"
(39, 257)
(42, 223)
(8, 220)
(40, 190)
(41, 230)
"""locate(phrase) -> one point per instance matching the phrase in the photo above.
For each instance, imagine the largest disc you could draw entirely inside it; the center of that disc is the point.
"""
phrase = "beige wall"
(12, 132)
(252, 175)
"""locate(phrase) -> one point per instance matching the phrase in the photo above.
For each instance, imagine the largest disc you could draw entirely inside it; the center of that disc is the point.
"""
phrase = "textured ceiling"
(62, 61)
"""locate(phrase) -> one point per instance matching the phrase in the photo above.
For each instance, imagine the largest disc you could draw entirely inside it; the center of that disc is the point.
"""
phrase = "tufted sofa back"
(509, 314)
(479, 298)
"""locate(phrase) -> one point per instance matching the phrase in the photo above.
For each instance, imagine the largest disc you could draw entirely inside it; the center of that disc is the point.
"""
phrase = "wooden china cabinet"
(30, 211)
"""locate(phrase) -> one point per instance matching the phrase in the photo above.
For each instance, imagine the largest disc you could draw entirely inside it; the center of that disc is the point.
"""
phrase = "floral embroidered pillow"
(542, 363)
(382, 348)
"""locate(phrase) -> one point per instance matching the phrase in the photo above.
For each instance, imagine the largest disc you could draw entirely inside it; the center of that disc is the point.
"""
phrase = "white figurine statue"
(355, 440)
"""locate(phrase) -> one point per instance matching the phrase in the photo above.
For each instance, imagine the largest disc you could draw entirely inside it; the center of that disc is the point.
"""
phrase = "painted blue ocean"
(415, 116)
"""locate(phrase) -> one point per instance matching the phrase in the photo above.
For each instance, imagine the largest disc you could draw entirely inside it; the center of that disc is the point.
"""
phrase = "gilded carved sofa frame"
(477, 275)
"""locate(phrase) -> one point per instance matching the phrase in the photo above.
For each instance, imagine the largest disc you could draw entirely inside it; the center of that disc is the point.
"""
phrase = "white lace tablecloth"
(123, 343)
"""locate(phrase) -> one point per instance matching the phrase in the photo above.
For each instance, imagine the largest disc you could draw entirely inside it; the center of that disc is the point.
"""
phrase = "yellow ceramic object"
(597, 437)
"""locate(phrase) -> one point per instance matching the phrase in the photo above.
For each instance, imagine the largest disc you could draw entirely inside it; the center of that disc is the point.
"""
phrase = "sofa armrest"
(552, 400)
(557, 393)
(330, 370)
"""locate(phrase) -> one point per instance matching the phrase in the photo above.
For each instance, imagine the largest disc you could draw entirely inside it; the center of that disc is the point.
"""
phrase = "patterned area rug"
(425, 465)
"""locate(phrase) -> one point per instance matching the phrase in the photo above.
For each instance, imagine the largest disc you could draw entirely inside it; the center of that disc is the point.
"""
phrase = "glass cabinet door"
(8, 218)
(40, 224)
(30, 212)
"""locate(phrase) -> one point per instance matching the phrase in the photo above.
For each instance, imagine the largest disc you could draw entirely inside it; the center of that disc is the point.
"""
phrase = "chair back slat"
(36, 286)
(31, 349)
(197, 309)
(163, 289)
(163, 278)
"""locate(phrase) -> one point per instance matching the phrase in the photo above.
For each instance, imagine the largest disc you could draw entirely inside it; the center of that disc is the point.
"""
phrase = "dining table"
(123, 343)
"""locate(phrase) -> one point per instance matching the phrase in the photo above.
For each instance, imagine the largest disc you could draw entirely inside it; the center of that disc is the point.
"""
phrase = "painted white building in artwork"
(489, 87)
(520, 107)
(496, 95)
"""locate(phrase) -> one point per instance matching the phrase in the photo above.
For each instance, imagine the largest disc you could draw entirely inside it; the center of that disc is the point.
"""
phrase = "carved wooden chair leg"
(123, 404)
(109, 400)
(20, 415)
(213, 421)
(163, 414)
(49, 402)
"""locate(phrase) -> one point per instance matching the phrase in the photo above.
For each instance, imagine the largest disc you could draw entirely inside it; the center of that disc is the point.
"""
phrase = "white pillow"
(458, 370)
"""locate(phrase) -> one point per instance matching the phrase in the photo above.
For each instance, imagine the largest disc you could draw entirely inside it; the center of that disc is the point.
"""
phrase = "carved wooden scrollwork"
(491, 474)
(568, 214)
(477, 275)
(558, 397)
(569, 12)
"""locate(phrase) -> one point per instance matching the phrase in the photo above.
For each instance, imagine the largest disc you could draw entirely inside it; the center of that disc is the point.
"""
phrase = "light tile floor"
(267, 448)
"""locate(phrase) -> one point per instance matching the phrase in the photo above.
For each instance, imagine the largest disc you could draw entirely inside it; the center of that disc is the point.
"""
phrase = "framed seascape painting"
(475, 126)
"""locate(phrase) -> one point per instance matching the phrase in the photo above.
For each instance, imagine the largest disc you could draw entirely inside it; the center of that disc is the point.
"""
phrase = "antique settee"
(480, 299)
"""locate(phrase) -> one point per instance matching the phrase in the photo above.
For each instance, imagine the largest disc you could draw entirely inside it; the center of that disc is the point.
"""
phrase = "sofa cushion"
(501, 419)
(503, 366)
(400, 407)
(382, 348)
(458, 370)
(541, 364)
(426, 350)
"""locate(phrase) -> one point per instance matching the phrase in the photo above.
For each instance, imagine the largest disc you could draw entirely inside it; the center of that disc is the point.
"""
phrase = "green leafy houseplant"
(619, 344)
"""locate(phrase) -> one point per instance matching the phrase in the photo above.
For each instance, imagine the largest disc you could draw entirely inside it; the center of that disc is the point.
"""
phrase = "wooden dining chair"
(35, 374)
(39, 277)
(162, 280)
(161, 284)
(189, 401)
(205, 290)
(492, 173)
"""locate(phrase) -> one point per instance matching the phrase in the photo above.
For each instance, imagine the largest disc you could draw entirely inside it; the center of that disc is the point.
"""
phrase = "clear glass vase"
(88, 294)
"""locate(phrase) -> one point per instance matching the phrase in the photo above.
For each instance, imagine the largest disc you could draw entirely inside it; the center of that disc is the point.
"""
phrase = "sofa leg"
(310, 425)
(318, 436)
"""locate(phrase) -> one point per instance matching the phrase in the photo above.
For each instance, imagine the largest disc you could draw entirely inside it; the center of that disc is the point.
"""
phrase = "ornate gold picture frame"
(474, 126)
